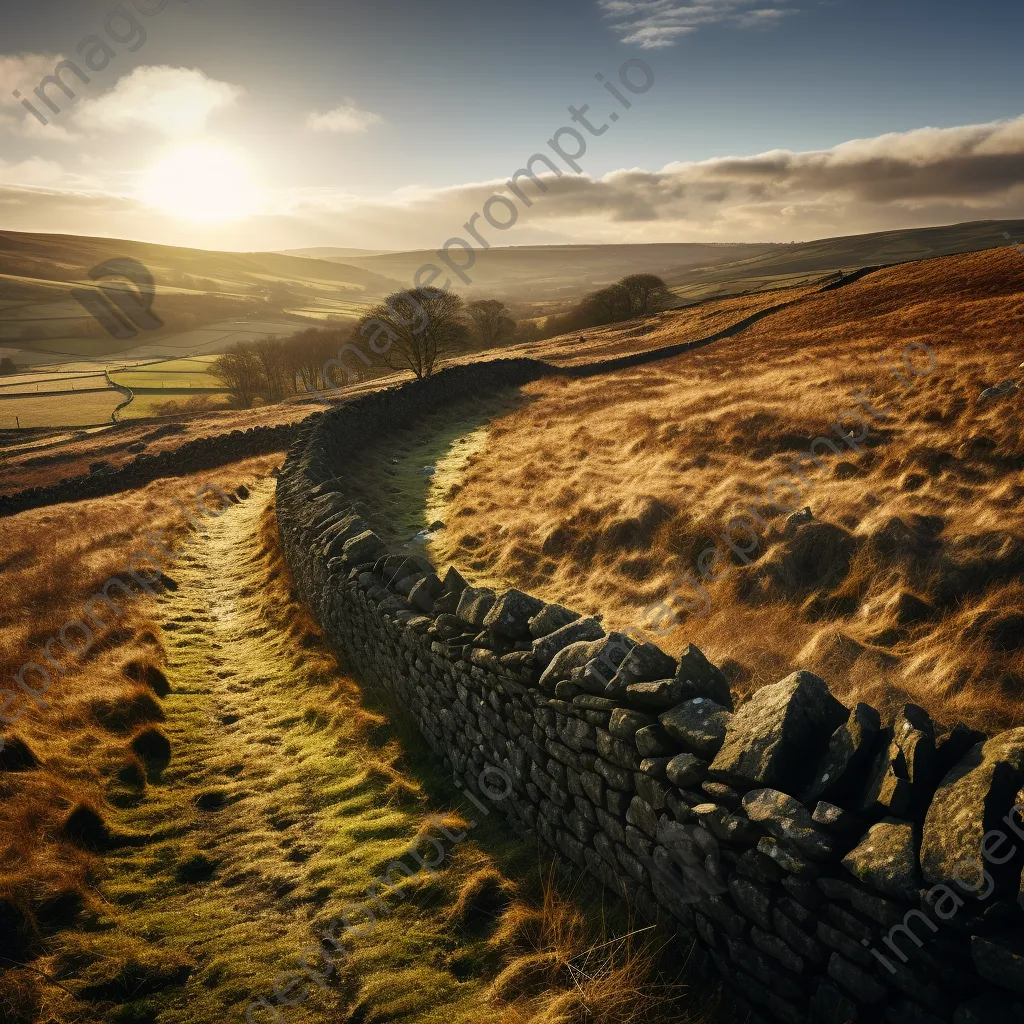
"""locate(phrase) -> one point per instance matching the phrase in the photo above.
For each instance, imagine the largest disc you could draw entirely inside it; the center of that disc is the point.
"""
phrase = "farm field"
(28, 384)
(207, 300)
(70, 410)
(181, 374)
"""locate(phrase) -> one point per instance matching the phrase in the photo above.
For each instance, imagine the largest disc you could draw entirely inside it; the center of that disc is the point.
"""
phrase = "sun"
(201, 182)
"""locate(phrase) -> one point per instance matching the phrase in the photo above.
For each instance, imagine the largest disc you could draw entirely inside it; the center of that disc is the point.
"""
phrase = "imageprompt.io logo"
(123, 311)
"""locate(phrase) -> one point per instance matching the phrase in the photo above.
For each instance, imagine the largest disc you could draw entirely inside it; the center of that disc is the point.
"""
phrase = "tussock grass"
(66, 768)
(563, 969)
(602, 493)
(287, 793)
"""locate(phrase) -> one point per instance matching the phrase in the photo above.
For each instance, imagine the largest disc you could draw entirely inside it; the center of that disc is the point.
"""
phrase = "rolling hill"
(40, 322)
(695, 270)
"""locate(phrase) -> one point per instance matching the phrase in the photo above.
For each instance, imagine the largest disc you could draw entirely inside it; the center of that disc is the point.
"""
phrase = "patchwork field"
(616, 493)
(64, 410)
(206, 300)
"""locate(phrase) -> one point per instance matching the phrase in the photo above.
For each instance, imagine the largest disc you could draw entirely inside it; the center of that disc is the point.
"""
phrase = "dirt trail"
(273, 814)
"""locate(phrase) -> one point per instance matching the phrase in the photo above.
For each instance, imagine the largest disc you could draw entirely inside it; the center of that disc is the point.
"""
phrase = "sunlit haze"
(370, 126)
(201, 182)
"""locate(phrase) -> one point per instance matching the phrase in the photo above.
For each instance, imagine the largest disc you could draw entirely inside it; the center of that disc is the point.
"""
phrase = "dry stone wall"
(193, 456)
(829, 866)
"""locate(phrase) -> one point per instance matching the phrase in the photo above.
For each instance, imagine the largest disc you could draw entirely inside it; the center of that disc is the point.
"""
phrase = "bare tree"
(413, 330)
(270, 353)
(291, 363)
(491, 321)
(239, 370)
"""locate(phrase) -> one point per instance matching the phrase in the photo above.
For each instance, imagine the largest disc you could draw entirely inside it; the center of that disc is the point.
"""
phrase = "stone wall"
(191, 457)
(806, 851)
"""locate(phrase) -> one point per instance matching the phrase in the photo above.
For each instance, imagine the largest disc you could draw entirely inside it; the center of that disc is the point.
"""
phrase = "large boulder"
(971, 801)
(698, 725)
(886, 859)
(839, 774)
(777, 737)
(511, 613)
(546, 647)
(699, 678)
(474, 604)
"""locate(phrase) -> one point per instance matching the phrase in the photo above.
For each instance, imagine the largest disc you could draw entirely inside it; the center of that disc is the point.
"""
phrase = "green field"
(206, 300)
(66, 411)
(152, 403)
(155, 384)
(172, 375)
(35, 383)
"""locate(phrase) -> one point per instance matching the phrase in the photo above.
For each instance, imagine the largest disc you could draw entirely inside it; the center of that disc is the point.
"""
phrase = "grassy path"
(284, 799)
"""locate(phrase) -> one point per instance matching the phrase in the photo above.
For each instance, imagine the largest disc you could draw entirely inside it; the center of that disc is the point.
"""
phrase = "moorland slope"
(615, 493)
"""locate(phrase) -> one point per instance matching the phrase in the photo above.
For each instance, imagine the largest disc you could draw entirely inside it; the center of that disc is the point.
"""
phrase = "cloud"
(175, 101)
(916, 178)
(23, 72)
(348, 119)
(34, 171)
(909, 179)
(655, 24)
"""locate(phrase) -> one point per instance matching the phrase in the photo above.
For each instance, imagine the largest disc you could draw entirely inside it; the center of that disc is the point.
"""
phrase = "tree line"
(636, 295)
(415, 331)
(407, 331)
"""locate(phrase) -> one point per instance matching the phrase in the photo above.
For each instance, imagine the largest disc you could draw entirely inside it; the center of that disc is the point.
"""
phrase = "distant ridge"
(327, 252)
(696, 270)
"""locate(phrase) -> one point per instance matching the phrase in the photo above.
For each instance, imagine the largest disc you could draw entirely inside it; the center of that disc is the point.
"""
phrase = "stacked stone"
(193, 456)
(828, 867)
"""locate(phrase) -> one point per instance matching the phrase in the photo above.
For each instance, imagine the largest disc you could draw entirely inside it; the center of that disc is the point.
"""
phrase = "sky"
(252, 124)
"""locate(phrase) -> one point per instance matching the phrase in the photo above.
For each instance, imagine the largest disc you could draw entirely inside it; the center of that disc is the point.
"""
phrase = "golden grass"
(562, 971)
(602, 493)
(64, 765)
(688, 324)
(159, 905)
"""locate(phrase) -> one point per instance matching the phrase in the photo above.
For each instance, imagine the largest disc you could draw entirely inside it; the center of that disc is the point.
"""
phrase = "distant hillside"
(208, 300)
(694, 270)
(786, 264)
(564, 272)
(327, 252)
(41, 322)
(38, 264)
